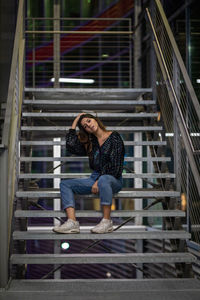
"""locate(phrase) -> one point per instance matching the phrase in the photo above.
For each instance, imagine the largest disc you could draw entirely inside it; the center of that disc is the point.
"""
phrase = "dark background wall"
(8, 13)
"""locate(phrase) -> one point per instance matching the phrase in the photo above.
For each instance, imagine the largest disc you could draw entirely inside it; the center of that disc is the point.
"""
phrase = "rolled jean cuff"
(108, 204)
(66, 206)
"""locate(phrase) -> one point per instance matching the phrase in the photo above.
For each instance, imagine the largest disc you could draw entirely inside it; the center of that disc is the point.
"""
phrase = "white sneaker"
(104, 226)
(70, 226)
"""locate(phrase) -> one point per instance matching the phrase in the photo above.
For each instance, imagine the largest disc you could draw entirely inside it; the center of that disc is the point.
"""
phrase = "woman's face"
(89, 124)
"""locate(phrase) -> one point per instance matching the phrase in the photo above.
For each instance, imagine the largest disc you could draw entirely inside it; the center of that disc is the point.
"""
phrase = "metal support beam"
(3, 219)
(188, 37)
(138, 204)
(56, 43)
(137, 44)
(57, 201)
(177, 141)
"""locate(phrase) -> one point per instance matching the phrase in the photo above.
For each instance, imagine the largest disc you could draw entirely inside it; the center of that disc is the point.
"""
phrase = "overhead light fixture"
(74, 80)
(198, 80)
(195, 134)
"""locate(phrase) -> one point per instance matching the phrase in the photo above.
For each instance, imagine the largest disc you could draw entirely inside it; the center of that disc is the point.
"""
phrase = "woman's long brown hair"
(84, 136)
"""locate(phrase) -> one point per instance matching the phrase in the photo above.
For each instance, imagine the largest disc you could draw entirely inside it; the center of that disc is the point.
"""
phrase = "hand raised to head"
(74, 124)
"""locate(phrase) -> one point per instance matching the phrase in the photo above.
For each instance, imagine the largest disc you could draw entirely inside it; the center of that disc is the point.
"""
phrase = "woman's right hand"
(74, 124)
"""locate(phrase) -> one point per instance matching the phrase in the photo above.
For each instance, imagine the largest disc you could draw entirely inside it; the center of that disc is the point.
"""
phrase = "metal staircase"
(39, 128)
(142, 258)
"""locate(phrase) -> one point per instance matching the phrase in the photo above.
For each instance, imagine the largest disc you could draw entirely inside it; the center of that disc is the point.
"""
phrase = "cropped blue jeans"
(107, 185)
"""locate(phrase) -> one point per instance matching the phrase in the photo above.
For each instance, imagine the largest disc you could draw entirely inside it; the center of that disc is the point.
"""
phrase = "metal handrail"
(181, 112)
(179, 59)
(172, 87)
(182, 125)
(10, 140)
(15, 62)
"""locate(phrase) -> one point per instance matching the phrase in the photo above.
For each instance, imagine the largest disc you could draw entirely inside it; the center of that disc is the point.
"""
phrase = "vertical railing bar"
(33, 66)
(4, 270)
(56, 44)
(130, 57)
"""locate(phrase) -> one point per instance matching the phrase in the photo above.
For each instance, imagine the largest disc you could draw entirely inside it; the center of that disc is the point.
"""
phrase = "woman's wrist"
(75, 122)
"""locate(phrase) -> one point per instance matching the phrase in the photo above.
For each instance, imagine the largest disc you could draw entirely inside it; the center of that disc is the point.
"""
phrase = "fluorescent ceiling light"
(169, 134)
(74, 80)
(191, 134)
(198, 80)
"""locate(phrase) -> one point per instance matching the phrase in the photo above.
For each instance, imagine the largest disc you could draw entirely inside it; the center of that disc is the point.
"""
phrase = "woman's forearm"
(75, 122)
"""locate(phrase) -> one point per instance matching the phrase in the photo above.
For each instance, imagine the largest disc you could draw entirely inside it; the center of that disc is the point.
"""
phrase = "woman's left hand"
(95, 188)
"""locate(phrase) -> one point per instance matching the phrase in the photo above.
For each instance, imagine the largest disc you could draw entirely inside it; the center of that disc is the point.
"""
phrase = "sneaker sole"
(108, 231)
(69, 231)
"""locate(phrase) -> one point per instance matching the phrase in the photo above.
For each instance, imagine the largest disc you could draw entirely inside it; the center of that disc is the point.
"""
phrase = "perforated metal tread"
(124, 234)
(89, 104)
(82, 158)
(85, 175)
(98, 214)
(94, 258)
(63, 143)
(106, 289)
(117, 128)
(88, 93)
(101, 115)
(121, 194)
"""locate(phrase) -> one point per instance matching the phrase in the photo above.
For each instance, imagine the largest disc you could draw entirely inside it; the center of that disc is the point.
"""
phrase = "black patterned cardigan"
(105, 159)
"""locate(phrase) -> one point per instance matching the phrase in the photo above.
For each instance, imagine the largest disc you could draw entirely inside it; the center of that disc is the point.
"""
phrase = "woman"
(105, 150)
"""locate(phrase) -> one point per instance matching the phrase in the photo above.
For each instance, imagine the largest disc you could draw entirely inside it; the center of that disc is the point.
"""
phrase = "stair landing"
(104, 289)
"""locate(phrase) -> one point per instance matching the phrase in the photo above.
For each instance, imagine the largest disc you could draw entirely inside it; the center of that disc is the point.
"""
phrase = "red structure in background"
(70, 41)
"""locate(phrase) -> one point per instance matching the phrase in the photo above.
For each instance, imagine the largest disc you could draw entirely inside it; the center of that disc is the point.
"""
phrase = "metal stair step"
(84, 175)
(88, 93)
(124, 234)
(93, 285)
(107, 289)
(63, 143)
(89, 104)
(82, 158)
(112, 128)
(102, 115)
(98, 214)
(122, 194)
(94, 258)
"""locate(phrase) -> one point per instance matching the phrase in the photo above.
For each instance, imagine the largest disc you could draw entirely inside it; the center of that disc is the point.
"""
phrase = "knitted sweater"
(105, 159)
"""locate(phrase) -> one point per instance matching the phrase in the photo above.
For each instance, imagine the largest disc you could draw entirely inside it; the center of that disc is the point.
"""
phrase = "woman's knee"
(109, 181)
(104, 180)
(64, 184)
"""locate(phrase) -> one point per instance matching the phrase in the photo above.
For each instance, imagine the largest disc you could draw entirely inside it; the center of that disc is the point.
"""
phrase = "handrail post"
(153, 61)
(56, 43)
(3, 219)
(137, 45)
(177, 165)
